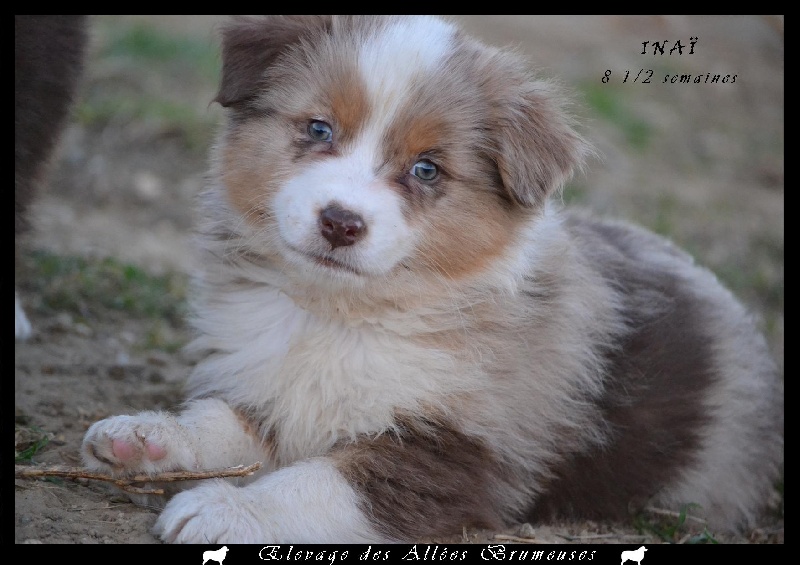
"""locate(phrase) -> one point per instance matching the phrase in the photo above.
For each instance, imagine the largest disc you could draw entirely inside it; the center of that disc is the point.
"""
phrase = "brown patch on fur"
(466, 213)
(536, 149)
(530, 136)
(249, 425)
(419, 134)
(468, 231)
(250, 168)
(251, 45)
(283, 72)
(656, 381)
(443, 119)
(425, 480)
(349, 104)
(255, 428)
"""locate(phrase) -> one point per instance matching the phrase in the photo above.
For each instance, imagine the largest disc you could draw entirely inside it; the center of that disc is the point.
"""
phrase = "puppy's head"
(364, 148)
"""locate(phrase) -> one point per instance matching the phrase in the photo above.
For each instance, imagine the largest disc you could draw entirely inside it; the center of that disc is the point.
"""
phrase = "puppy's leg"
(22, 327)
(308, 502)
(206, 435)
(389, 487)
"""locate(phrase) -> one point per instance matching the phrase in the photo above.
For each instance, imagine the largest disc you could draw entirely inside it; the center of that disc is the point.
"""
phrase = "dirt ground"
(702, 163)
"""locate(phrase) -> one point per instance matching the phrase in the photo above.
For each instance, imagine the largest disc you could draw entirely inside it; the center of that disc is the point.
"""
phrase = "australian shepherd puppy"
(398, 322)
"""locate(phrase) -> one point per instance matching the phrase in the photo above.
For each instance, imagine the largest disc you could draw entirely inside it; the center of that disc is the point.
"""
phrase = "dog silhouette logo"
(218, 555)
(637, 555)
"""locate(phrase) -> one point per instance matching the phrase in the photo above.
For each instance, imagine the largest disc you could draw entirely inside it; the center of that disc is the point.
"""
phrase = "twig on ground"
(674, 514)
(516, 539)
(603, 536)
(128, 483)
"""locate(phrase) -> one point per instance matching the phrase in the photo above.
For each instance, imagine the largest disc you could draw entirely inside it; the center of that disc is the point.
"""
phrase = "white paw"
(22, 327)
(214, 512)
(149, 442)
(308, 502)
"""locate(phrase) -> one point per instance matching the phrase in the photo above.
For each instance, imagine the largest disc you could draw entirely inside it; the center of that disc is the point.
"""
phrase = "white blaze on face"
(402, 52)
(389, 64)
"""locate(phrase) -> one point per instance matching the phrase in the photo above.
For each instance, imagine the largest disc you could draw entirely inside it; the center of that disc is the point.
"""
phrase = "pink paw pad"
(155, 452)
(125, 451)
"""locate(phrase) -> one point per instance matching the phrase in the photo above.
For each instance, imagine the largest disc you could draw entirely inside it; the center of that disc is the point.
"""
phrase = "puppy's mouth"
(334, 264)
(328, 262)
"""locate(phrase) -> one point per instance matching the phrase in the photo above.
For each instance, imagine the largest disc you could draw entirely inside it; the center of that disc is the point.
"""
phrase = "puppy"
(48, 61)
(400, 324)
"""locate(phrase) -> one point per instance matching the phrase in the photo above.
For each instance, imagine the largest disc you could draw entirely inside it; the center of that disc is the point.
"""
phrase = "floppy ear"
(251, 45)
(535, 146)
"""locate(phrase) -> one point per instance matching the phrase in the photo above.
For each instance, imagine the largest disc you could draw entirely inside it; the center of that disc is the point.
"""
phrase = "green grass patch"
(162, 336)
(753, 281)
(28, 441)
(146, 44)
(758, 274)
(609, 103)
(84, 287)
(666, 210)
(672, 529)
(100, 109)
(574, 194)
(143, 74)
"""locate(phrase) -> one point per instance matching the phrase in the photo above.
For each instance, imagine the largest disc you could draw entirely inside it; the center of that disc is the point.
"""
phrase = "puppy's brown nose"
(341, 227)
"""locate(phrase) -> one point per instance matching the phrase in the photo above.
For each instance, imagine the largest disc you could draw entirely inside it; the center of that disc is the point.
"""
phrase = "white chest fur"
(314, 381)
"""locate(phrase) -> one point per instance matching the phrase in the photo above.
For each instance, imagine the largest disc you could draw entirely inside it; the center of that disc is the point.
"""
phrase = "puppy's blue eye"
(425, 170)
(320, 131)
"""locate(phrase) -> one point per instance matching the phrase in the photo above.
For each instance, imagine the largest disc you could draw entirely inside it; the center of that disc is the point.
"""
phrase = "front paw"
(214, 512)
(22, 327)
(149, 442)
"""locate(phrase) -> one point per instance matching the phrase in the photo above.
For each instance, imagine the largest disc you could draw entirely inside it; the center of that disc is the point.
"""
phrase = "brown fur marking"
(349, 104)
(656, 382)
(426, 480)
(251, 45)
(249, 170)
